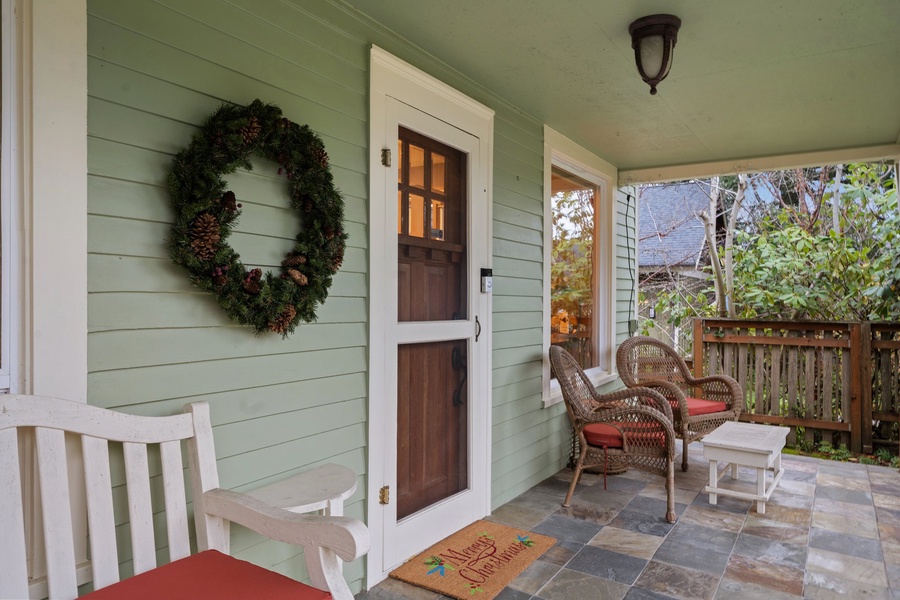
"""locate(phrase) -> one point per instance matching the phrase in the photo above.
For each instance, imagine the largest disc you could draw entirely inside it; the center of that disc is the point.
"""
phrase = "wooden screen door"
(433, 335)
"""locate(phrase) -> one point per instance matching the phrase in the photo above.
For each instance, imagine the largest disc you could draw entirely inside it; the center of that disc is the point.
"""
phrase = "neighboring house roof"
(670, 230)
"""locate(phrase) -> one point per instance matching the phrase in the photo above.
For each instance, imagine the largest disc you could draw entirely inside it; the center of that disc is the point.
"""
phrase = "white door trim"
(393, 78)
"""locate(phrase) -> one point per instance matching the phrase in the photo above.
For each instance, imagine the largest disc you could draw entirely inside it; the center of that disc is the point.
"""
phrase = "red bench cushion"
(697, 406)
(208, 575)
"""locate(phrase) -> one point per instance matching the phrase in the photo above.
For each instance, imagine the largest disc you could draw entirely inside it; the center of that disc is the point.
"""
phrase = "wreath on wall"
(206, 212)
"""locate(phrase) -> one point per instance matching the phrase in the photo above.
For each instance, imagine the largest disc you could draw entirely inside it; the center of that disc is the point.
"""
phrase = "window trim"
(563, 153)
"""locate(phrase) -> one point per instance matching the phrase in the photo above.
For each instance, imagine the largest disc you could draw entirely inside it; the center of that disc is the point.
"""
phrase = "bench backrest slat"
(56, 512)
(176, 509)
(140, 511)
(14, 582)
(101, 522)
(212, 532)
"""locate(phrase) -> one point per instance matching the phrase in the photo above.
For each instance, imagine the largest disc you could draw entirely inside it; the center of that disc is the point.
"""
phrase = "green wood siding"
(156, 69)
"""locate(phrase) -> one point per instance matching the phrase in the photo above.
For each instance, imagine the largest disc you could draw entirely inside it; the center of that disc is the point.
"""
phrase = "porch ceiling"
(750, 79)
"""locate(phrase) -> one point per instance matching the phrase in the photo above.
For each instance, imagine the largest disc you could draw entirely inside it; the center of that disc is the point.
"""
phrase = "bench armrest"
(348, 538)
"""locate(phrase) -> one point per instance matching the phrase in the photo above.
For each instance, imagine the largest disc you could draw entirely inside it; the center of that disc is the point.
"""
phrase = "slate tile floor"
(830, 530)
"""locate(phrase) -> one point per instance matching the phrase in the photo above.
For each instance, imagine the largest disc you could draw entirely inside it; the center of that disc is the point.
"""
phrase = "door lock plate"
(384, 495)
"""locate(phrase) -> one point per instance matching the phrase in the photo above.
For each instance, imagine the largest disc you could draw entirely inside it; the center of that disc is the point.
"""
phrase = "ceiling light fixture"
(653, 39)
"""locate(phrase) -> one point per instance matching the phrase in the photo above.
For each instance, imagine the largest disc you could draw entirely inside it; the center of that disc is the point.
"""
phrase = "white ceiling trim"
(756, 165)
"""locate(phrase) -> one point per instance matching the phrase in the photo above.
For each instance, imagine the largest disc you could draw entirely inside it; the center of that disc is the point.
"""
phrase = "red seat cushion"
(697, 406)
(208, 575)
(602, 434)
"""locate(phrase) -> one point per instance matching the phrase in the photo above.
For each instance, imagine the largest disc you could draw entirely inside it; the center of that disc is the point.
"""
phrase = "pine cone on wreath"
(283, 321)
(251, 281)
(204, 236)
(220, 275)
(294, 260)
(320, 156)
(298, 277)
(338, 261)
(251, 130)
(229, 202)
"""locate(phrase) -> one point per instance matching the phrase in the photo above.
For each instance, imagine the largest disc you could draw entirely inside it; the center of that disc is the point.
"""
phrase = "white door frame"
(393, 78)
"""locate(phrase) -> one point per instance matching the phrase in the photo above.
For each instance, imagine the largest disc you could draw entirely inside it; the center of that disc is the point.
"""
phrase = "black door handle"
(458, 362)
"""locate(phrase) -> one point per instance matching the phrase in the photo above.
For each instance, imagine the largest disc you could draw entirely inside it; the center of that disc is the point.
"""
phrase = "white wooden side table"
(324, 488)
(756, 446)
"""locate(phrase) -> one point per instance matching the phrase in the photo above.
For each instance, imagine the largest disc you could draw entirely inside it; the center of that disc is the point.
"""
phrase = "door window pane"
(437, 173)
(416, 166)
(437, 220)
(399, 161)
(572, 267)
(416, 215)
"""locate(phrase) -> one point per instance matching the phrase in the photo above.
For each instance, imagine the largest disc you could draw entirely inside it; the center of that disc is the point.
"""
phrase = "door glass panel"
(416, 215)
(572, 267)
(399, 161)
(437, 220)
(432, 240)
(437, 173)
(432, 429)
(399, 212)
(417, 166)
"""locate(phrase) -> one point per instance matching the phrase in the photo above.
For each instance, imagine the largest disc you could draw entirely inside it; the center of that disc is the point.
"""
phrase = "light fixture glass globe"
(652, 56)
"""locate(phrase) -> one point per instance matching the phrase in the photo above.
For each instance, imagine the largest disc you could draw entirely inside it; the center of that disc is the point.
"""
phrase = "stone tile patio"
(830, 530)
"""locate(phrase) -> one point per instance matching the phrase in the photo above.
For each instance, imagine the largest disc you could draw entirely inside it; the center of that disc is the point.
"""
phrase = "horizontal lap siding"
(156, 70)
(529, 442)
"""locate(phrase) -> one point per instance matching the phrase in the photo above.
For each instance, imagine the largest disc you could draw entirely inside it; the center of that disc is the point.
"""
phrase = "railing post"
(855, 416)
(860, 427)
(698, 347)
(865, 387)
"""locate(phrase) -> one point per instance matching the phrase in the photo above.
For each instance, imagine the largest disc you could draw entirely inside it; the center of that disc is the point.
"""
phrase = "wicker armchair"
(699, 405)
(627, 428)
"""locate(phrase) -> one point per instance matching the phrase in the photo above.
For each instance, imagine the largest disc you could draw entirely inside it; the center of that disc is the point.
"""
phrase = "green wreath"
(206, 213)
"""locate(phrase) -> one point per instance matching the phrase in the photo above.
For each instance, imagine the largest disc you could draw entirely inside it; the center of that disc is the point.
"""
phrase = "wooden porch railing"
(838, 381)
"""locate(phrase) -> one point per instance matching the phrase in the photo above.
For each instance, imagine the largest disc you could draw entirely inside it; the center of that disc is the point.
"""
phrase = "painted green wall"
(155, 71)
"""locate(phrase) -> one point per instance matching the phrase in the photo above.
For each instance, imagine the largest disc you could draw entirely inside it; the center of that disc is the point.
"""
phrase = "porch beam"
(755, 165)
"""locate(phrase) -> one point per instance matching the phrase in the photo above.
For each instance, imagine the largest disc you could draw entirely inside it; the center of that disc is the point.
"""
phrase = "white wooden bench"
(326, 539)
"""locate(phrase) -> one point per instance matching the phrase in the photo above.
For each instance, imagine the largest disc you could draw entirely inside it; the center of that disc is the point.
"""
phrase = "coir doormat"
(476, 562)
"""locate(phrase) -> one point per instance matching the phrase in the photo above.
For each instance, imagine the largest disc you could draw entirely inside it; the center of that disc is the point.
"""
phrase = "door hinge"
(386, 157)
(384, 495)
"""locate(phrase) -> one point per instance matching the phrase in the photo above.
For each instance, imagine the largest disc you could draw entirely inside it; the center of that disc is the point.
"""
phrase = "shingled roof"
(670, 229)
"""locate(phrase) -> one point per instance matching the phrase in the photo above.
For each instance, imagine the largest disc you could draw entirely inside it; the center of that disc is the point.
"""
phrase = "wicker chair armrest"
(723, 388)
(642, 396)
(637, 396)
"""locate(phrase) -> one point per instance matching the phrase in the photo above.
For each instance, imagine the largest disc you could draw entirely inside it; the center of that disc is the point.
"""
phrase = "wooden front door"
(431, 377)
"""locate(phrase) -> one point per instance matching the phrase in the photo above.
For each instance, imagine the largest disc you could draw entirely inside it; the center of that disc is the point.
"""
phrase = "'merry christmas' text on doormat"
(476, 562)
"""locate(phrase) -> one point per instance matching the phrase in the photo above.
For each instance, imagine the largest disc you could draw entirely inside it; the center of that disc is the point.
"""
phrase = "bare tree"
(723, 275)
